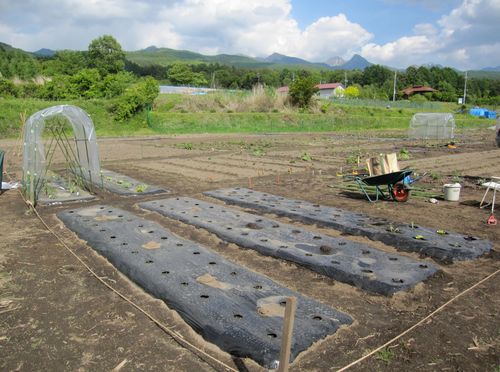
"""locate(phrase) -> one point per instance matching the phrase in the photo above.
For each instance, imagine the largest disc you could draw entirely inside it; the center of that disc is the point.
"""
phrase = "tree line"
(98, 72)
(103, 72)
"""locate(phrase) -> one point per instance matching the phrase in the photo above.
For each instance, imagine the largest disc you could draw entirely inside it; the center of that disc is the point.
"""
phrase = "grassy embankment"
(229, 113)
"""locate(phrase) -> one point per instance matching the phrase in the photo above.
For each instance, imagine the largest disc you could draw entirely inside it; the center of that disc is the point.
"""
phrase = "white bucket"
(452, 191)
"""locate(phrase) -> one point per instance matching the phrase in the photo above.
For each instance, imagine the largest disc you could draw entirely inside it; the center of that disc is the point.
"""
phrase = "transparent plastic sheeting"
(34, 161)
(432, 126)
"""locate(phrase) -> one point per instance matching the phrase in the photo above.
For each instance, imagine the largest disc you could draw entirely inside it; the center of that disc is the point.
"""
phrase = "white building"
(325, 90)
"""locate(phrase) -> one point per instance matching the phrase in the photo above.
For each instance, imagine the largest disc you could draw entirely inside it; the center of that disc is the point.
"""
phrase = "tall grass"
(260, 99)
(221, 122)
(259, 111)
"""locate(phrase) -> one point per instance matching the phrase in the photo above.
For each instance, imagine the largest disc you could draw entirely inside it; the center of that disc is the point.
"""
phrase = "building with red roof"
(416, 89)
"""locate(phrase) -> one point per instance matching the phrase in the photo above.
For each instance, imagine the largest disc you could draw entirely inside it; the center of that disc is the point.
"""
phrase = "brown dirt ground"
(54, 315)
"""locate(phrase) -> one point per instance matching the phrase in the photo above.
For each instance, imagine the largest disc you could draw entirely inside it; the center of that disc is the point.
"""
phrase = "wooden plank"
(392, 162)
(286, 337)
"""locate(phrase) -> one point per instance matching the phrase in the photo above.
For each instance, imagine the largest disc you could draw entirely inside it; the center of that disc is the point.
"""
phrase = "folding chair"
(494, 185)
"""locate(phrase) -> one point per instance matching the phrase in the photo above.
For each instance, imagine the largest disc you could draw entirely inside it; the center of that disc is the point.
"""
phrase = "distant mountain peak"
(335, 61)
(281, 58)
(491, 68)
(355, 63)
(151, 48)
(44, 52)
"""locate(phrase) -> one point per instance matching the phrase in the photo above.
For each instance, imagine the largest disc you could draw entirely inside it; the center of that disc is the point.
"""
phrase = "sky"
(464, 34)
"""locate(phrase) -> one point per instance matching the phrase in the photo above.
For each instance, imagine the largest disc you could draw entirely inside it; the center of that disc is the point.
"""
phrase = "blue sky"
(386, 19)
(459, 33)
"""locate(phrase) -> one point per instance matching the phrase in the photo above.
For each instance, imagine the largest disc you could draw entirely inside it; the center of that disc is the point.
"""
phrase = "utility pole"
(394, 88)
(345, 79)
(465, 87)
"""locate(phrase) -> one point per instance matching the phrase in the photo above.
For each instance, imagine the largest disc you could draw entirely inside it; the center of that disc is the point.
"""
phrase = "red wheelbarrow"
(398, 185)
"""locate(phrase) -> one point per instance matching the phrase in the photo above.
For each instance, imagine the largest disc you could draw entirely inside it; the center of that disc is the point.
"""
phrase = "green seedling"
(385, 355)
(441, 232)
(50, 191)
(141, 188)
(457, 177)
(258, 152)
(72, 187)
(435, 176)
(419, 237)
(393, 229)
(306, 157)
(404, 154)
(124, 184)
(354, 158)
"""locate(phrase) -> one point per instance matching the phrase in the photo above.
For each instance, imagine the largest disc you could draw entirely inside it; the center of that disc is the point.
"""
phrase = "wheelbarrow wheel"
(400, 193)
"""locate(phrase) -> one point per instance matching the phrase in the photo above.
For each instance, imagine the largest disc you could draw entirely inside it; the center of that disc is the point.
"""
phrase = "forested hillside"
(84, 74)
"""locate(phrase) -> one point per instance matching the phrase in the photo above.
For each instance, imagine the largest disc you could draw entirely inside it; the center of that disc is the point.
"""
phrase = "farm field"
(55, 315)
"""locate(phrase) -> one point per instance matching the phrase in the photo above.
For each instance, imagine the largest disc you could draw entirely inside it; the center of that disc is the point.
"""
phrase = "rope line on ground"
(418, 323)
(174, 334)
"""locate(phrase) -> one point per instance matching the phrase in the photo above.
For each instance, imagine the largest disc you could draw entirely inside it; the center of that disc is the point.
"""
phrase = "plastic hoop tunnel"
(34, 157)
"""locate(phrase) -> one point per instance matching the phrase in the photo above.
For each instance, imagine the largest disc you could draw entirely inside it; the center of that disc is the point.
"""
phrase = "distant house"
(282, 91)
(416, 89)
(325, 90)
(331, 89)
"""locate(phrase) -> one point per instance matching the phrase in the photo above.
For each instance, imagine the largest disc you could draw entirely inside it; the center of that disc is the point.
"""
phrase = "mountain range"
(165, 56)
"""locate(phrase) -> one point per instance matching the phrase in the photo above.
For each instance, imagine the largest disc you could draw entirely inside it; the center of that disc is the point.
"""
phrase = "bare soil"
(55, 315)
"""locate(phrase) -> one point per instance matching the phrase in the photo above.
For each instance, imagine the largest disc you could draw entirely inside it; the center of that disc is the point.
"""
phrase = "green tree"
(17, 63)
(67, 62)
(114, 85)
(106, 54)
(352, 92)
(376, 75)
(302, 90)
(181, 74)
(447, 92)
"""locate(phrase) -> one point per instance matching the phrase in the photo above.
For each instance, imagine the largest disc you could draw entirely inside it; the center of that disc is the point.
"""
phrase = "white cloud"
(467, 37)
(426, 29)
(261, 27)
(256, 28)
(333, 36)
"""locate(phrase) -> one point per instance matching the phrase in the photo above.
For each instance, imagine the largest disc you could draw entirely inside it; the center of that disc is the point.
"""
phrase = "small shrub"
(136, 98)
(301, 91)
